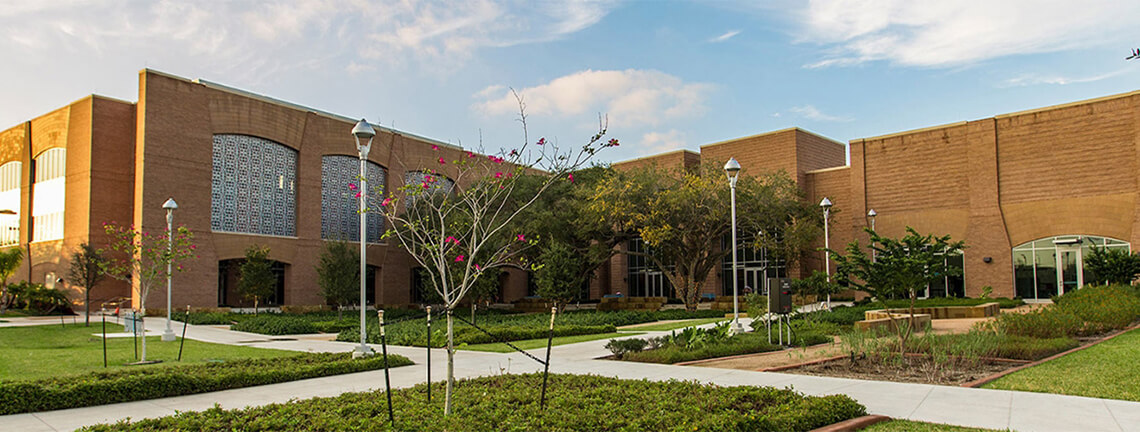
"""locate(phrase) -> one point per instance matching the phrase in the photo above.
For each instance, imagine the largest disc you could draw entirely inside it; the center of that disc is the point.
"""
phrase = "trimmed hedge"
(275, 325)
(511, 403)
(746, 343)
(175, 380)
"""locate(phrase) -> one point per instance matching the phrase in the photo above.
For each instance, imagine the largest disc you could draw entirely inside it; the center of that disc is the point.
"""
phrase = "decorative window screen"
(48, 195)
(10, 200)
(253, 186)
(439, 184)
(339, 204)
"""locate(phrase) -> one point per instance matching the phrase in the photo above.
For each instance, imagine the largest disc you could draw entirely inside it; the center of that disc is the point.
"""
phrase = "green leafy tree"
(899, 268)
(87, 265)
(683, 215)
(1113, 265)
(338, 273)
(257, 281)
(141, 259)
(559, 274)
(9, 262)
(817, 284)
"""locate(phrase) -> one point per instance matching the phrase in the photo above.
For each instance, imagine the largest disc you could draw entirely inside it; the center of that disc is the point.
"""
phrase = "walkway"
(998, 409)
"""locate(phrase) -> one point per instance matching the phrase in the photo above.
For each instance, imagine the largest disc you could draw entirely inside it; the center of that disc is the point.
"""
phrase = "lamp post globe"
(170, 205)
(732, 170)
(871, 217)
(363, 134)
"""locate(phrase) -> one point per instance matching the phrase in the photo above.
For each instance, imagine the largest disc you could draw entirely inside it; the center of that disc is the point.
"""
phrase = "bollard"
(104, 340)
(546, 366)
(185, 323)
(387, 382)
(429, 353)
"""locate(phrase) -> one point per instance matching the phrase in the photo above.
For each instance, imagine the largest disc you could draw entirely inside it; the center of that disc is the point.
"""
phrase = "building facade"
(1029, 192)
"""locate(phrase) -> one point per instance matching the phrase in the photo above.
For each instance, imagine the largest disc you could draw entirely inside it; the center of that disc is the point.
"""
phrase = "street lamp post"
(871, 217)
(169, 206)
(826, 205)
(361, 132)
(732, 169)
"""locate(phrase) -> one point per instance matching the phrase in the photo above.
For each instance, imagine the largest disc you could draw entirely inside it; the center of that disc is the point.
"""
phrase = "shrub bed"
(700, 344)
(175, 380)
(515, 327)
(510, 403)
(275, 325)
(1091, 310)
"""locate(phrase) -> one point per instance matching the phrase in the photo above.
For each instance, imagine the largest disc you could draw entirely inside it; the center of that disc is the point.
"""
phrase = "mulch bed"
(914, 369)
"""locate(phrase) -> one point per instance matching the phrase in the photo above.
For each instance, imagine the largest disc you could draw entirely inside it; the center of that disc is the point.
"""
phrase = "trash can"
(132, 322)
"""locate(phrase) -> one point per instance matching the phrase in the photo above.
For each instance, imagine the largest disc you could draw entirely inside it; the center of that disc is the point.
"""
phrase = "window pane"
(340, 219)
(1046, 273)
(253, 186)
(1023, 274)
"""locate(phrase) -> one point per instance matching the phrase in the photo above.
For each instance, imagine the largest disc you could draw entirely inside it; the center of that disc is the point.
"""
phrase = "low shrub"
(1027, 348)
(844, 316)
(511, 402)
(619, 347)
(1102, 308)
(1045, 323)
(174, 380)
(747, 343)
(208, 318)
(274, 324)
(36, 299)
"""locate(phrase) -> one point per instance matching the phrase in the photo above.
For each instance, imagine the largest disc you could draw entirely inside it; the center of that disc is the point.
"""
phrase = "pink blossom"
(429, 179)
(357, 195)
(352, 186)
(612, 143)
(514, 152)
(509, 175)
(459, 258)
(571, 177)
(520, 237)
(541, 141)
(434, 147)
(451, 239)
(470, 154)
(425, 185)
(498, 175)
(442, 162)
(478, 268)
(385, 202)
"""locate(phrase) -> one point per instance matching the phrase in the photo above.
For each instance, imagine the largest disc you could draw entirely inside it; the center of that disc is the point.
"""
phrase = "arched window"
(339, 204)
(1055, 265)
(438, 184)
(48, 195)
(10, 200)
(253, 186)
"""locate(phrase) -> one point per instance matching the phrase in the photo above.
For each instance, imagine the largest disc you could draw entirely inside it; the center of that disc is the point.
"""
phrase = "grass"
(511, 403)
(49, 351)
(530, 344)
(913, 426)
(1107, 370)
(674, 325)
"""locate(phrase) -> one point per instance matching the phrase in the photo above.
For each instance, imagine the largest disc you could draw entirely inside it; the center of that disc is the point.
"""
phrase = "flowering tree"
(141, 258)
(458, 233)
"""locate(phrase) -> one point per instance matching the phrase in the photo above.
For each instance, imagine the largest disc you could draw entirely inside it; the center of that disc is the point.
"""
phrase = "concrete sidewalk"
(998, 409)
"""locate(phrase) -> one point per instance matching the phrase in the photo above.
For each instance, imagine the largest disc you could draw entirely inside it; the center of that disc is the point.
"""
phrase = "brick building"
(1028, 192)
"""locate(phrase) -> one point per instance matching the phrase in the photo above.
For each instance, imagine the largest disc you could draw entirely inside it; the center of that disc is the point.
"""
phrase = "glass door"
(754, 281)
(654, 284)
(1070, 264)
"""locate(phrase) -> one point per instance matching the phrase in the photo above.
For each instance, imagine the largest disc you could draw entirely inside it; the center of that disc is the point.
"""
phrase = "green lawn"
(1107, 370)
(51, 351)
(675, 325)
(913, 426)
(530, 344)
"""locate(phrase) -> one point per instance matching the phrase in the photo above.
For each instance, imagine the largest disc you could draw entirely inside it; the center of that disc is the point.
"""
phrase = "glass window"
(1035, 263)
(643, 279)
(1024, 280)
(749, 259)
(10, 200)
(340, 219)
(253, 186)
(48, 194)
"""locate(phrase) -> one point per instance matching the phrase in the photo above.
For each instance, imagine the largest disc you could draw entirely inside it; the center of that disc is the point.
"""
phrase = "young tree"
(1113, 265)
(339, 276)
(559, 275)
(682, 217)
(9, 263)
(817, 284)
(141, 259)
(257, 280)
(898, 268)
(87, 271)
(457, 233)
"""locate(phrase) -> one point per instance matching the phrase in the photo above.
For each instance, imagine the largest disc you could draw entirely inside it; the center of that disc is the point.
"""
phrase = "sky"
(662, 75)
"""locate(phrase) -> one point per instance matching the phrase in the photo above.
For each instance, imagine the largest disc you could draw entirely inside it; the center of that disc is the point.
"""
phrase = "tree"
(457, 233)
(1113, 265)
(898, 268)
(817, 284)
(559, 275)
(338, 273)
(683, 216)
(87, 271)
(141, 259)
(257, 280)
(9, 263)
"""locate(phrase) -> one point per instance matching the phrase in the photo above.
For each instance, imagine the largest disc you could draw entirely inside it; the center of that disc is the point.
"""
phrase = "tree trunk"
(450, 366)
(87, 306)
(141, 323)
(339, 312)
(255, 306)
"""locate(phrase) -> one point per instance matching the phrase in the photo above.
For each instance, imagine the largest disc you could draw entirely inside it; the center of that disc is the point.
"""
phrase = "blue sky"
(667, 74)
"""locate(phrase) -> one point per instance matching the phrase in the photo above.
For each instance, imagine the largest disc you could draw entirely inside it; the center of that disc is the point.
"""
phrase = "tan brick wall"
(672, 160)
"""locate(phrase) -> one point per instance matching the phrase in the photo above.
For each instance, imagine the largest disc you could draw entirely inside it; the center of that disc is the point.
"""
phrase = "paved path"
(999, 409)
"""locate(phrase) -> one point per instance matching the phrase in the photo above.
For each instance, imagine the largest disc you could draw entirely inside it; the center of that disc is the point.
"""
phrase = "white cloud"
(1035, 79)
(812, 113)
(660, 142)
(725, 36)
(938, 33)
(628, 97)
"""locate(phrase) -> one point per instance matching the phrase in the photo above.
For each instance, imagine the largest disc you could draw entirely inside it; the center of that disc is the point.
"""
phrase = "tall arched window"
(253, 186)
(48, 195)
(437, 184)
(340, 181)
(10, 200)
